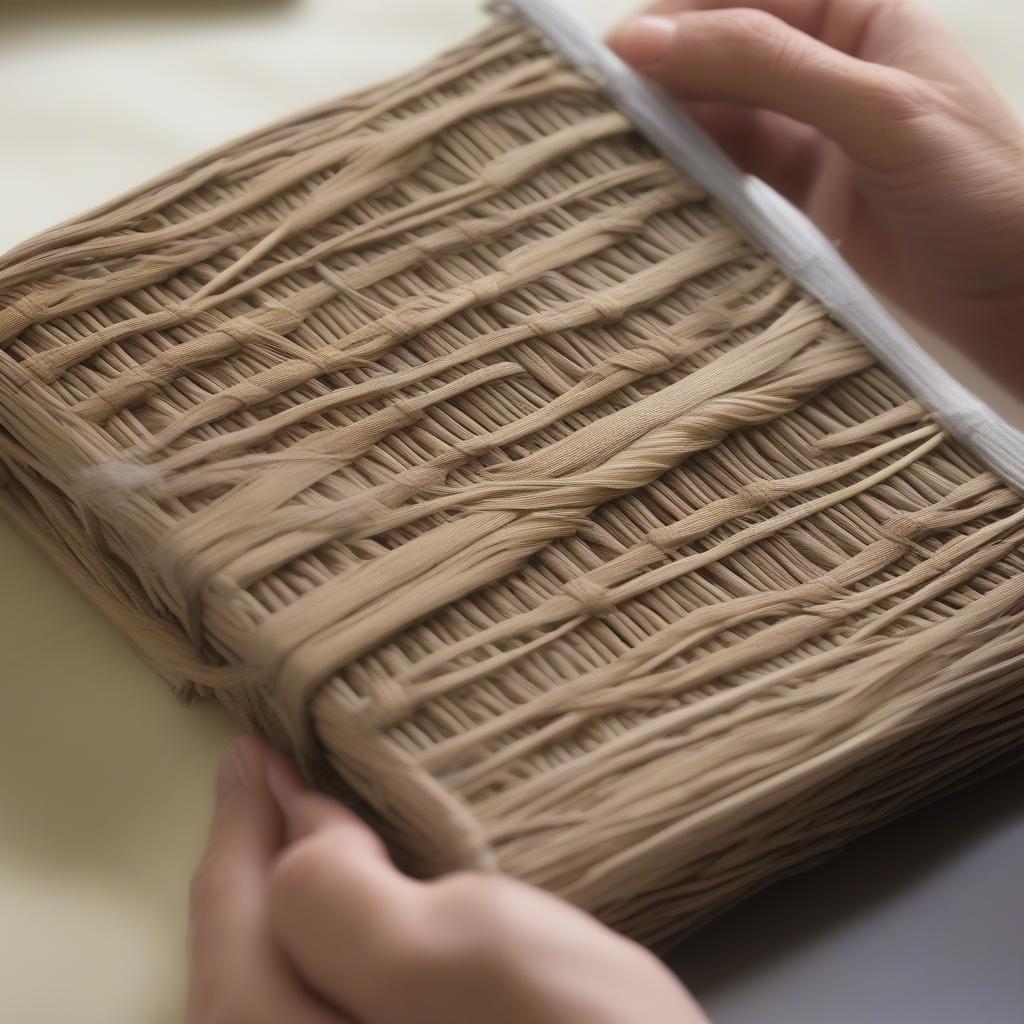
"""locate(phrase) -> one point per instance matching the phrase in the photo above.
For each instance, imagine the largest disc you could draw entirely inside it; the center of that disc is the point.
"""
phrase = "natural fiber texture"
(448, 435)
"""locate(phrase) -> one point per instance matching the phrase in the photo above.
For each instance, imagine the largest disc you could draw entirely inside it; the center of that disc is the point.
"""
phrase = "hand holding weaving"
(873, 118)
(299, 916)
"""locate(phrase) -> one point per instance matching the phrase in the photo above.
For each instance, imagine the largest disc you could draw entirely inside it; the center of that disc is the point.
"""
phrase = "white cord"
(771, 221)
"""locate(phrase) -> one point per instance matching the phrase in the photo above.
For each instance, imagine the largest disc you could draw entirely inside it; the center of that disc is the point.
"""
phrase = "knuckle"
(470, 889)
(483, 909)
(766, 38)
(470, 924)
(300, 865)
(749, 26)
(786, 56)
(897, 96)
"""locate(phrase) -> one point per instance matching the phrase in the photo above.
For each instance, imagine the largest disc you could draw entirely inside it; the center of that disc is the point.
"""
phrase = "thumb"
(338, 907)
(751, 57)
(307, 812)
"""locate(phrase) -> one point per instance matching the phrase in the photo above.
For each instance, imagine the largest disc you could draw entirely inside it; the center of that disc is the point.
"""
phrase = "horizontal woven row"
(448, 435)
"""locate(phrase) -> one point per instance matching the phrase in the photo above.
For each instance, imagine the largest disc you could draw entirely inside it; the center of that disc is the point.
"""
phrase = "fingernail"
(644, 40)
(236, 767)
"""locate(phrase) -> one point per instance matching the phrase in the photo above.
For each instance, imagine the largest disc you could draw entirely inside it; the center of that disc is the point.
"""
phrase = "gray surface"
(920, 922)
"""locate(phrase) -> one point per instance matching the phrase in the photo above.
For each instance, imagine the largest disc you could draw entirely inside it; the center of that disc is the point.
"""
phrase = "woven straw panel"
(450, 437)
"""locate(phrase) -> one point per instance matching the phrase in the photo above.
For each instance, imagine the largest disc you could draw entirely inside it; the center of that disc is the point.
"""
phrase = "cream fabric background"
(105, 787)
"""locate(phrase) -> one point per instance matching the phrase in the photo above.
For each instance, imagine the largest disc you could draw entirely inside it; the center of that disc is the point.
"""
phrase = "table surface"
(105, 791)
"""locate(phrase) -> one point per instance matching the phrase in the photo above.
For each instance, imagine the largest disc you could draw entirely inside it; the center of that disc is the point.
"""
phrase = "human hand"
(871, 116)
(299, 916)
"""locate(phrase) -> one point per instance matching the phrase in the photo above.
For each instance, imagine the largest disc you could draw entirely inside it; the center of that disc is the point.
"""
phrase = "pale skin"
(870, 116)
(299, 916)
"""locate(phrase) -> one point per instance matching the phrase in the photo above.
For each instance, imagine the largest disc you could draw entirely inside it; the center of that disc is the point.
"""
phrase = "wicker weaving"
(452, 437)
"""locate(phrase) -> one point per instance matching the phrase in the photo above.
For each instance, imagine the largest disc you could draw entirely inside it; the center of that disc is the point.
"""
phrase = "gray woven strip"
(801, 250)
